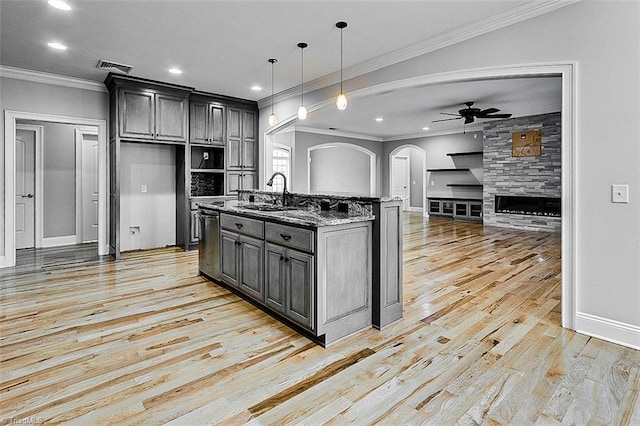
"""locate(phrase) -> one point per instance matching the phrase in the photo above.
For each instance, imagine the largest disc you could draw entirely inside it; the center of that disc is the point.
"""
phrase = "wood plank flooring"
(148, 341)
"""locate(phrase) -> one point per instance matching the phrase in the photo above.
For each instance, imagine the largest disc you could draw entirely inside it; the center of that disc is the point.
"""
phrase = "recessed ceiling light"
(379, 119)
(256, 88)
(175, 71)
(59, 4)
(425, 128)
(58, 46)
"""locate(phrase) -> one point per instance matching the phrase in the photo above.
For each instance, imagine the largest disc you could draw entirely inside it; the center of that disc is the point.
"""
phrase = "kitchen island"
(313, 264)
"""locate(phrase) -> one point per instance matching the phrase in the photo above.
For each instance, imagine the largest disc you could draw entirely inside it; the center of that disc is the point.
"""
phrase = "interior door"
(401, 180)
(89, 187)
(25, 188)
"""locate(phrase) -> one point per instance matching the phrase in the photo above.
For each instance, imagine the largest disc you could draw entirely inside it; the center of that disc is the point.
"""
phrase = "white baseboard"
(414, 209)
(609, 330)
(59, 241)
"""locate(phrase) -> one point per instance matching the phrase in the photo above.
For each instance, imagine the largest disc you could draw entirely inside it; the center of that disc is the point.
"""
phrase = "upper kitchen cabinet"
(241, 139)
(206, 123)
(148, 110)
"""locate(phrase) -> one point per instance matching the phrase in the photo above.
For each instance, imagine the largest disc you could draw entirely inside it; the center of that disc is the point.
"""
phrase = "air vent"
(108, 65)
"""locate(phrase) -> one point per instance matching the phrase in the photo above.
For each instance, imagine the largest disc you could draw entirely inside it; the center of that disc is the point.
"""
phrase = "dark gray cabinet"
(289, 283)
(206, 123)
(242, 153)
(152, 115)
(458, 209)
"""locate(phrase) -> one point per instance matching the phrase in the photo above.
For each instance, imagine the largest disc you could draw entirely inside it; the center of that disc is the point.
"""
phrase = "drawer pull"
(285, 237)
(238, 225)
(281, 257)
(238, 243)
(286, 259)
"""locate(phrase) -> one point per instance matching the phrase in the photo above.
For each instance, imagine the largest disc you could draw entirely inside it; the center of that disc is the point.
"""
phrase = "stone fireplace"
(522, 192)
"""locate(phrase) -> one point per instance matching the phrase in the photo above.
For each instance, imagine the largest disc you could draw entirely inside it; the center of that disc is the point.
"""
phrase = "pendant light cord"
(340, 60)
(302, 75)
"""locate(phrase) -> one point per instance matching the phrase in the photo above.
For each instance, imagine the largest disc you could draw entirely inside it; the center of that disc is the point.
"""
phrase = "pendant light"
(341, 100)
(273, 120)
(302, 111)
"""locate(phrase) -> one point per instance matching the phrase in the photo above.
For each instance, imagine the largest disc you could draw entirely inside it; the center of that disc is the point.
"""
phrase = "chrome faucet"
(284, 191)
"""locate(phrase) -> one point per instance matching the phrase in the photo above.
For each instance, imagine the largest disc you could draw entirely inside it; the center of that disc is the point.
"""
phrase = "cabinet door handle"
(286, 259)
(238, 243)
(281, 257)
(239, 225)
(285, 237)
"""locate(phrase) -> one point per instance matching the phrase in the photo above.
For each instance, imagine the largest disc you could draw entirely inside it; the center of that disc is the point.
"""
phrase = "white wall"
(154, 211)
(28, 96)
(602, 38)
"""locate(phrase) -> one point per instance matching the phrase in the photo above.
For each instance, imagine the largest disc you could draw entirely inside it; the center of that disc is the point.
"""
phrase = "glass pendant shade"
(302, 112)
(341, 101)
(273, 120)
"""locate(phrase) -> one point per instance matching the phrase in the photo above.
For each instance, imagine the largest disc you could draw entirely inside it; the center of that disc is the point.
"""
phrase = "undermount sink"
(267, 207)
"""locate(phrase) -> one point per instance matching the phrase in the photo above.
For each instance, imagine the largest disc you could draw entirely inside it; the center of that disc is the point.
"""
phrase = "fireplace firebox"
(533, 206)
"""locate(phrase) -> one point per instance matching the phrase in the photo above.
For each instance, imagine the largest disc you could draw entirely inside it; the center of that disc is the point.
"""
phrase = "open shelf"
(448, 170)
(457, 154)
(469, 185)
(207, 170)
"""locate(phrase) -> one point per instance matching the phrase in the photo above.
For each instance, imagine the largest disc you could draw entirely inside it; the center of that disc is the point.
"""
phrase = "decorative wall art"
(527, 144)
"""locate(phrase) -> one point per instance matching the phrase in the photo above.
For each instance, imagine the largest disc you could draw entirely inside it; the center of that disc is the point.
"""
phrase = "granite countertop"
(293, 215)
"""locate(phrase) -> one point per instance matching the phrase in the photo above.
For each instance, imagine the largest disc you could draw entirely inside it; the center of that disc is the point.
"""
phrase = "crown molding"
(328, 132)
(47, 78)
(504, 19)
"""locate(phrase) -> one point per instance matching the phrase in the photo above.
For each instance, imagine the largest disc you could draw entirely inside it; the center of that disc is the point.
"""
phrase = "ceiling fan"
(470, 114)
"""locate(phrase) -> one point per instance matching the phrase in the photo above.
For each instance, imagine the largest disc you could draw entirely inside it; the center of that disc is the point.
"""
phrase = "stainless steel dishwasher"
(209, 245)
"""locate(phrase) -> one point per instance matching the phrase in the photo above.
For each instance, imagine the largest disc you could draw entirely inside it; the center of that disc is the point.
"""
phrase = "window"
(282, 164)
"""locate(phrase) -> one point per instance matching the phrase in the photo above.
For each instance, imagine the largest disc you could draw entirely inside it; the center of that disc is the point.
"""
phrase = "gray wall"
(340, 170)
(416, 176)
(436, 149)
(305, 140)
(539, 176)
(154, 211)
(59, 180)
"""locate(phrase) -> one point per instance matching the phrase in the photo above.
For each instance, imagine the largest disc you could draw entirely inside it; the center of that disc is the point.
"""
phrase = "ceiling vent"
(109, 66)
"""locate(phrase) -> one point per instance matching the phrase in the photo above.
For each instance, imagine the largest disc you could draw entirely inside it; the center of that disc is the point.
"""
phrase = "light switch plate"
(143, 188)
(619, 193)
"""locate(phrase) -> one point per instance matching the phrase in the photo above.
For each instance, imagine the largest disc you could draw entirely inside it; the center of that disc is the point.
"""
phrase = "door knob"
(27, 196)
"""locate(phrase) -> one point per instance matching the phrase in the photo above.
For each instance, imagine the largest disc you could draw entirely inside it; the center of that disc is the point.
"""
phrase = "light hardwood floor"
(147, 340)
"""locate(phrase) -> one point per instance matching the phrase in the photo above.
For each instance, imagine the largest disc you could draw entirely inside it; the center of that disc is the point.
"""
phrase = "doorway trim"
(38, 223)
(372, 162)
(78, 132)
(10, 117)
(423, 153)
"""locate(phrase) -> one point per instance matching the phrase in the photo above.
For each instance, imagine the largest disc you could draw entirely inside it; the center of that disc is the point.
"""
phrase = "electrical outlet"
(619, 193)
(205, 155)
(143, 188)
(134, 230)
(432, 183)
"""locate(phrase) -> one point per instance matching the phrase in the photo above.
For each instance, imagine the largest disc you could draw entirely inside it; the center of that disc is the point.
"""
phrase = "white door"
(400, 180)
(25, 188)
(89, 185)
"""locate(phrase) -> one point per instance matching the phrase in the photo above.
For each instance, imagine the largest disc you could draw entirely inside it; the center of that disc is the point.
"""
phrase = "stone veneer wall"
(531, 176)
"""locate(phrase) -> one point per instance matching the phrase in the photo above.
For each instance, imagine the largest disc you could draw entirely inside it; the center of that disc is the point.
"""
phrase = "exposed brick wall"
(532, 176)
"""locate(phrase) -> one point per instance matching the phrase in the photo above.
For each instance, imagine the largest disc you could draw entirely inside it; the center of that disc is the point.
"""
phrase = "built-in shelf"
(454, 198)
(470, 185)
(447, 170)
(456, 154)
(207, 170)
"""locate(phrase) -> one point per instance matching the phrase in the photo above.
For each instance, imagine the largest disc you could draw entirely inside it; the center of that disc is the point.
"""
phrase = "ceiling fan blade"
(447, 119)
(448, 113)
(497, 116)
(487, 111)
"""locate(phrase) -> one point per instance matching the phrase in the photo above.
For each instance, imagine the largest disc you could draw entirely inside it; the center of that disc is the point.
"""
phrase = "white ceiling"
(223, 47)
